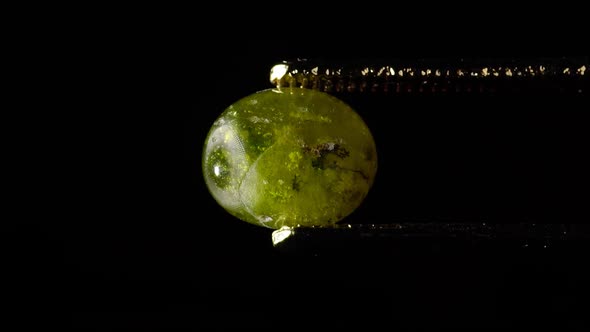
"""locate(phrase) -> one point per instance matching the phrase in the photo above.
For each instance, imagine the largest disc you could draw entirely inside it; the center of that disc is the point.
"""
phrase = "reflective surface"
(386, 240)
(436, 75)
(289, 157)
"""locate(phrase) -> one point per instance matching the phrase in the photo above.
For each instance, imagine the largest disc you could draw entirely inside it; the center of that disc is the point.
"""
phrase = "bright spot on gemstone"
(265, 219)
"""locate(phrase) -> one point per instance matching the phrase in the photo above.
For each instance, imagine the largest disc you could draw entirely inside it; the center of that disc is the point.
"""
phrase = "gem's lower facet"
(289, 157)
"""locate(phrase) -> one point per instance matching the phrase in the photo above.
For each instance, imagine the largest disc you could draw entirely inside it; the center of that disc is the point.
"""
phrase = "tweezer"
(566, 75)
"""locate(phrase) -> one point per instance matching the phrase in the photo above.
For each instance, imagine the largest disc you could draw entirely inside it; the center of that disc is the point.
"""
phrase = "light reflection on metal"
(281, 234)
(277, 72)
(428, 76)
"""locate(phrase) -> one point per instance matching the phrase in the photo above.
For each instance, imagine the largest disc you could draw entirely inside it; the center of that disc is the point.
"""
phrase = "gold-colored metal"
(421, 75)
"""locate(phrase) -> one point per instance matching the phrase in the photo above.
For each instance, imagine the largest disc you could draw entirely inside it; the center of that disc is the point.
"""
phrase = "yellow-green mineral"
(289, 157)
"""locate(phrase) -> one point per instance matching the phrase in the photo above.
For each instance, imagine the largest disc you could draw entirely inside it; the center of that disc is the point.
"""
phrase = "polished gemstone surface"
(289, 157)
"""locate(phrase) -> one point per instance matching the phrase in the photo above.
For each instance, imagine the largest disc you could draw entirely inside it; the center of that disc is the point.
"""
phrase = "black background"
(143, 245)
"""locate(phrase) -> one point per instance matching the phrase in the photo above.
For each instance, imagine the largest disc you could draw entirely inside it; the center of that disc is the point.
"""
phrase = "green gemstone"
(289, 157)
